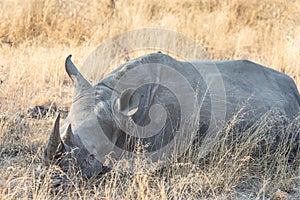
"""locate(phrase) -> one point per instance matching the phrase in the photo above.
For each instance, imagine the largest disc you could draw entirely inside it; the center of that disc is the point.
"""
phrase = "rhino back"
(247, 85)
(258, 88)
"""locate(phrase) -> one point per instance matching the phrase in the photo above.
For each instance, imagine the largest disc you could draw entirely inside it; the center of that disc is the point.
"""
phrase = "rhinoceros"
(108, 107)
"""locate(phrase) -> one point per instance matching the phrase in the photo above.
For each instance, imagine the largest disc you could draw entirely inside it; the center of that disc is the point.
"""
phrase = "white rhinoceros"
(216, 90)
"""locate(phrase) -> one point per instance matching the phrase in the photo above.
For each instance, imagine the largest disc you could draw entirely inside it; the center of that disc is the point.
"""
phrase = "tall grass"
(37, 35)
(248, 164)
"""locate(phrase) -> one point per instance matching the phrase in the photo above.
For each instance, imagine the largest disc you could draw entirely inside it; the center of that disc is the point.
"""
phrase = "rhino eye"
(92, 158)
(89, 160)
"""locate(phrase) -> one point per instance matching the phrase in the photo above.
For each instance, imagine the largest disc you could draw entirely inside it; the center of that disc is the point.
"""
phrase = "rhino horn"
(54, 143)
(79, 82)
(68, 136)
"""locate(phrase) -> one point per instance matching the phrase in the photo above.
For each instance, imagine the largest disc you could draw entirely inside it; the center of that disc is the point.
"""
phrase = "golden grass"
(37, 35)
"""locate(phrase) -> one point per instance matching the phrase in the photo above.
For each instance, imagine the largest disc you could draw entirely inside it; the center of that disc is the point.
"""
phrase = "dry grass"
(35, 38)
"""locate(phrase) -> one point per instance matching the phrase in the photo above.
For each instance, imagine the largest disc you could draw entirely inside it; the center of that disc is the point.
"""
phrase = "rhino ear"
(79, 82)
(55, 144)
(128, 104)
(68, 136)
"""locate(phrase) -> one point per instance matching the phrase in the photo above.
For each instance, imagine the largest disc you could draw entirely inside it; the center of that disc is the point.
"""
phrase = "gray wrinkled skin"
(248, 85)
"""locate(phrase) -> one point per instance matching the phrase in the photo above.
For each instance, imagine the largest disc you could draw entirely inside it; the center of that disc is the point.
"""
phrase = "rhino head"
(67, 151)
(79, 141)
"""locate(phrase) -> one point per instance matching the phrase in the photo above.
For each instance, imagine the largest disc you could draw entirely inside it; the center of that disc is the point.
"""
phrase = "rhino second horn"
(54, 140)
(78, 80)
(68, 136)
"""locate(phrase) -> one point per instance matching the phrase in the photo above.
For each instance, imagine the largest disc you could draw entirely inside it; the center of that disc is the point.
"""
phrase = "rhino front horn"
(55, 144)
(79, 82)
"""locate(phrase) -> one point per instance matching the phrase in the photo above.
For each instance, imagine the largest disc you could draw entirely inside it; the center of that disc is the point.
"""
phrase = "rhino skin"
(78, 137)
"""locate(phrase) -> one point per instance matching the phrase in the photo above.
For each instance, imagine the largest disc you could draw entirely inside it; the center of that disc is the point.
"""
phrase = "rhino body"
(104, 107)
